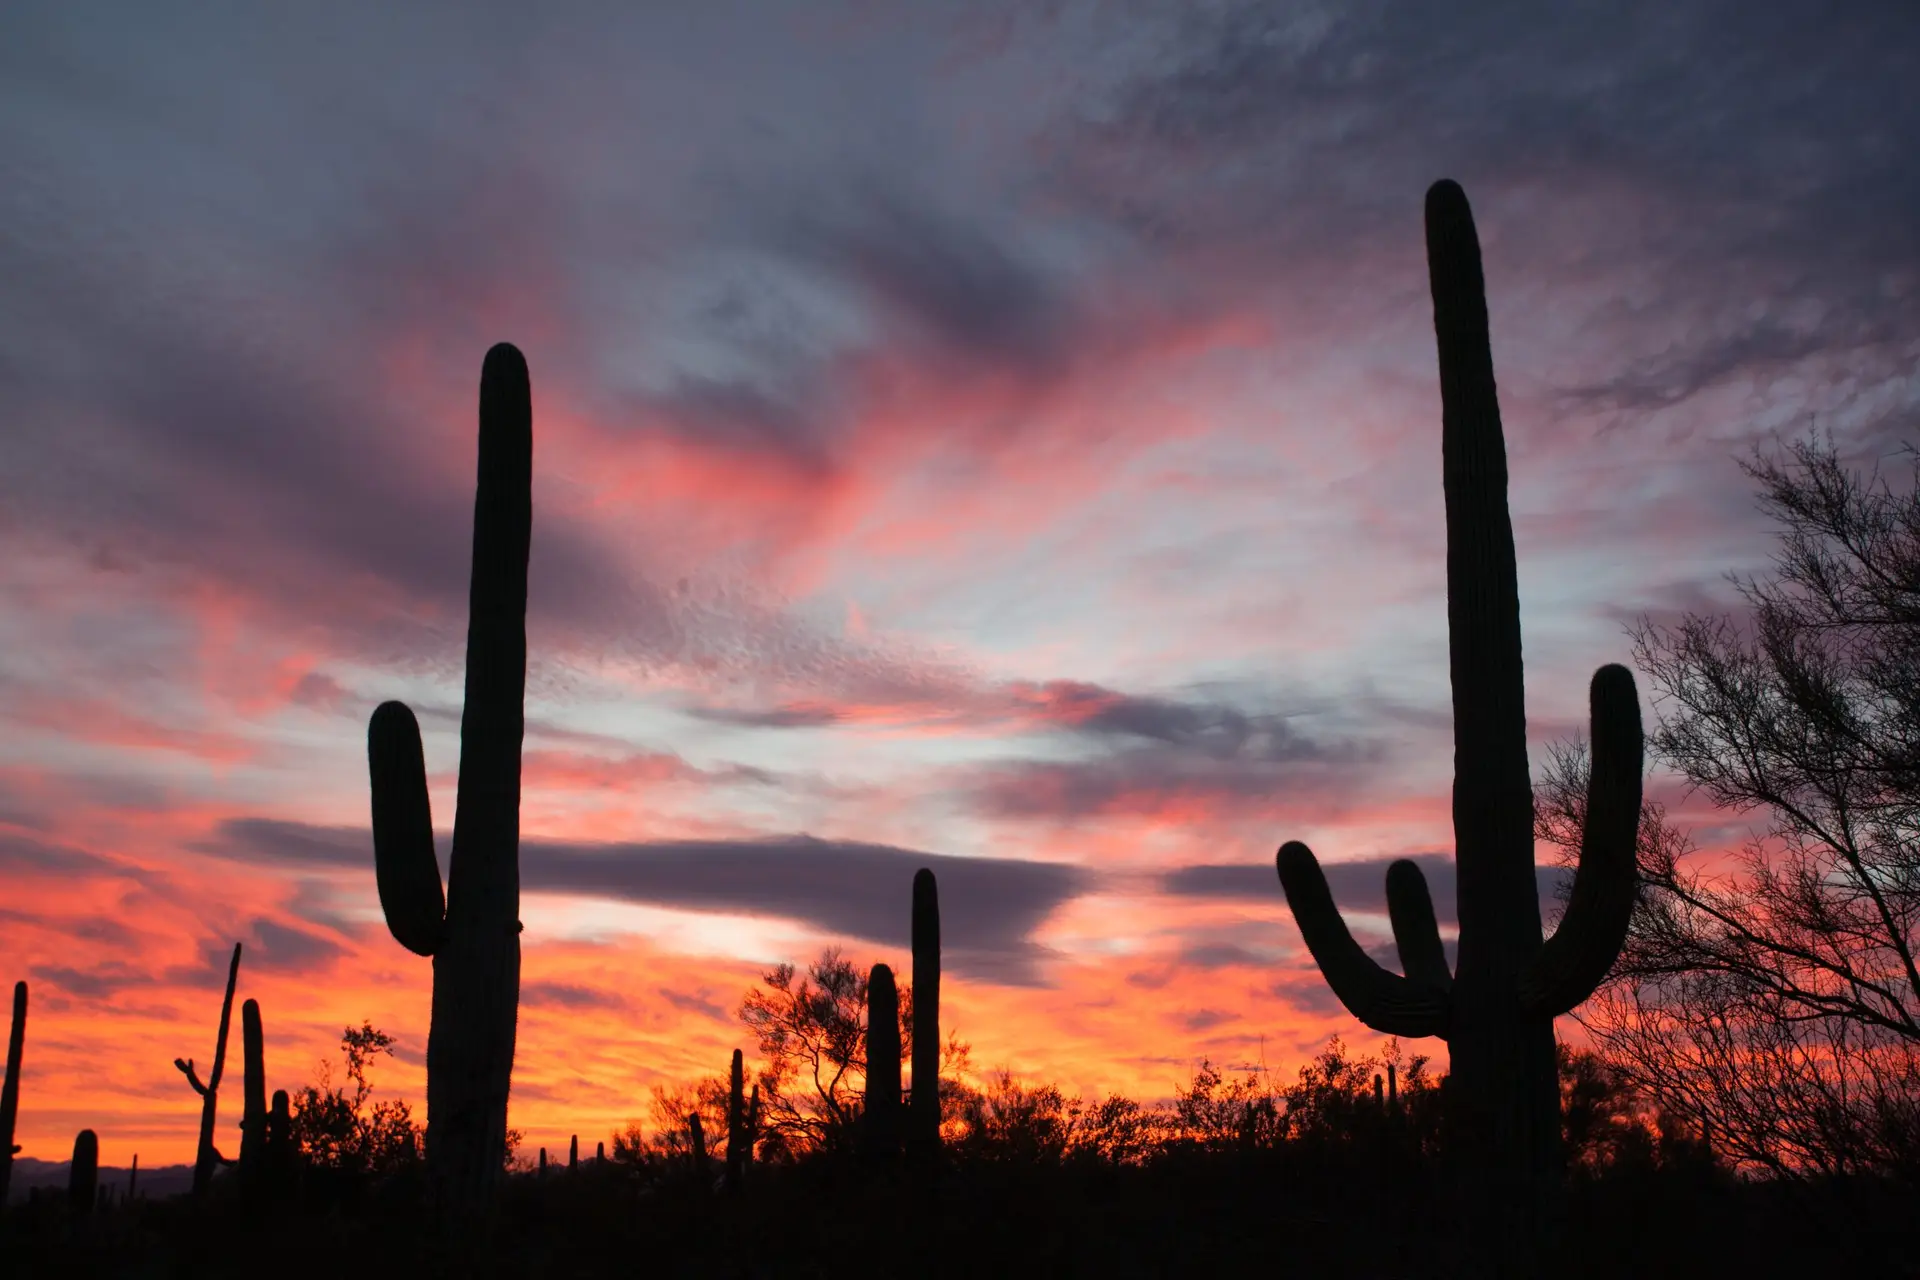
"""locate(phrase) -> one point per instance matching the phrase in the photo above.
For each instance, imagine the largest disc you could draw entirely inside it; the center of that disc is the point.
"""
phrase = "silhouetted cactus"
(696, 1144)
(738, 1141)
(208, 1156)
(10, 1093)
(83, 1175)
(923, 1120)
(133, 1176)
(753, 1126)
(253, 1093)
(1497, 1011)
(882, 1115)
(278, 1152)
(599, 1153)
(573, 1154)
(473, 930)
(543, 1162)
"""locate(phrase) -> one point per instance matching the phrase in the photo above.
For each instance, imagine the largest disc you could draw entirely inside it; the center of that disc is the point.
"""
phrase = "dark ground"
(1214, 1216)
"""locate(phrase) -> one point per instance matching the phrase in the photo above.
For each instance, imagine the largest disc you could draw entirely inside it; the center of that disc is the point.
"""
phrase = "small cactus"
(83, 1175)
(10, 1095)
(208, 1156)
(923, 1120)
(472, 930)
(882, 1117)
(133, 1176)
(573, 1154)
(599, 1153)
(696, 1144)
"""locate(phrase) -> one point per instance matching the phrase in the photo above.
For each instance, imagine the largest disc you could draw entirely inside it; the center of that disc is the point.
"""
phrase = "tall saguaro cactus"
(1496, 1010)
(923, 1119)
(10, 1095)
(253, 1094)
(207, 1157)
(739, 1140)
(473, 931)
(882, 1117)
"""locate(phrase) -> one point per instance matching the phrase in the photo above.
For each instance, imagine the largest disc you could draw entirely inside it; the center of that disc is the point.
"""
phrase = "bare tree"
(1771, 995)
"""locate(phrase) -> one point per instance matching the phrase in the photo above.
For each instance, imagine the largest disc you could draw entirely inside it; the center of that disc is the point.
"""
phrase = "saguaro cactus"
(253, 1093)
(1496, 1012)
(753, 1126)
(83, 1175)
(573, 1154)
(739, 1141)
(208, 1157)
(696, 1144)
(882, 1118)
(278, 1152)
(473, 931)
(923, 1120)
(10, 1094)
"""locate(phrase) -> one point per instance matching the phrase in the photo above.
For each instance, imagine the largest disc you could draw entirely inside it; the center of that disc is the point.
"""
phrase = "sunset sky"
(1003, 438)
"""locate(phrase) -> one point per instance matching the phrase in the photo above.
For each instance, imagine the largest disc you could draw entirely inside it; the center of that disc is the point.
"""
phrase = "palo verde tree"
(1496, 1010)
(1770, 993)
(811, 1032)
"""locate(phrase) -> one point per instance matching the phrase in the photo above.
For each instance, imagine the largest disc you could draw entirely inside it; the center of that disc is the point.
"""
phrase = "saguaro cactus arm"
(404, 868)
(185, 1066)
(1416, 934)
(1576, 958)
(1384, 1001)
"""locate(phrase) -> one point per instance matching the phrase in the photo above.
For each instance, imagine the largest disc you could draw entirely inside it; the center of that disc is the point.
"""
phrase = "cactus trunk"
(253, 1081)
(882, 1118)
(737, 1139)
(207, 1157)
(475, 944)
(10, 1094)
(923, 1120)
(753, 1126)
(83, 1175)
(133, 1176)
(277, 1150)
(1496, 1010)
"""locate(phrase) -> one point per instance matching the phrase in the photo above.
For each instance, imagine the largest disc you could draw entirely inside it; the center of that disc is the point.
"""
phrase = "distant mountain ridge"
(155, 1183)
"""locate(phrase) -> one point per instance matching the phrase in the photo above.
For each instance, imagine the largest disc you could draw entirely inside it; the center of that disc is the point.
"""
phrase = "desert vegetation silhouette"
(1750, 1104)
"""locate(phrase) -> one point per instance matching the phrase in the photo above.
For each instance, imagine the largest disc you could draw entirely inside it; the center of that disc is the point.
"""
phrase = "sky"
(995, 437)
